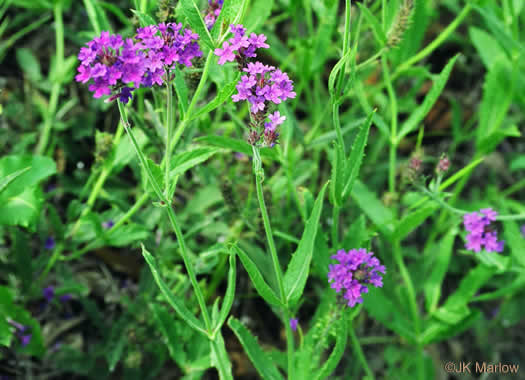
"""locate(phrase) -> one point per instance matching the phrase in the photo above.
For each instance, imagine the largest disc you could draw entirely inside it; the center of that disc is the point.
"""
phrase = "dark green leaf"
(193, 14)
(229, 295)
(224, 94)
(258, 357)
(175, 302)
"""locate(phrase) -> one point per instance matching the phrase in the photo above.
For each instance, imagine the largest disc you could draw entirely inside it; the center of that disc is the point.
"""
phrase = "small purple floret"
(480, 236)
(293, 323)
(50, 243)
(356, 269)
(49, 293)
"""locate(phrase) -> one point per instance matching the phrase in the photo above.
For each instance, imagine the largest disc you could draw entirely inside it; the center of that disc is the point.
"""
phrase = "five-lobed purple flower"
(355, 270)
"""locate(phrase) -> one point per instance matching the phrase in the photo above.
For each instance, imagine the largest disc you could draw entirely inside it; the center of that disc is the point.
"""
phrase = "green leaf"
(40, 168)
(229, 295)
(497, 97)
(257, 14)
(420, 112)
(167, 328)
(4, 182)
(299, 266)
(22, 209)
(229, 11)
(224, 94)
(412, 221)
(144, 19)
(175, 302)
(460, 174)
(335, 70)
(182, 91)
(337, 353)
(264, 290)
(220, 359)
(442, 252)
(259, 358)
(186, 160)
(193, 14)
(455, 306)
(29, 64)
(158, 176)
(487, 46)
(515, 241)
(236, 145)
(377, 30)
(353, 164)
(373, 208)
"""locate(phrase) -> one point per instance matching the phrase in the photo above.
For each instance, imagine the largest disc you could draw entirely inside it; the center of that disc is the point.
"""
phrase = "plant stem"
(393, 128)
(398, 258)
(169, 131)
(259, 176)
(55, 89)
(335, 226)
(337, 125)
(359, 351)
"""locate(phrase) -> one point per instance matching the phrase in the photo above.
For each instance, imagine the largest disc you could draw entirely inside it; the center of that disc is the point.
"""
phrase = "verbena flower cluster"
(355, 270)
(261, 85)
(480, 235)
(214, 10)
(116, 66)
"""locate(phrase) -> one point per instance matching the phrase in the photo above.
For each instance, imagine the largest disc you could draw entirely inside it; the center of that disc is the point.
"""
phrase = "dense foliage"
(274, 189)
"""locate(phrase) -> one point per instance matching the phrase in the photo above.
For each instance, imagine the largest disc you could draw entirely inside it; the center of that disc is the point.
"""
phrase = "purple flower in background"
(355, 270)
(293, 323)
(213, 11)
(49, 293)
(240, 47)
(479, 234)
(50, 243)
(108, 224)
(523, 230)
(25, 339)
(66, 297)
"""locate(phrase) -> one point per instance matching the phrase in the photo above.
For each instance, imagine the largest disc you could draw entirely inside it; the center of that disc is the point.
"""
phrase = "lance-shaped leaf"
(229, 296)
(337, 353)
(222, 96)
(299, 266)
(258, 357)
(353, 165)
(420, 112)
(193, 14)
(176, 303)
(264, 290)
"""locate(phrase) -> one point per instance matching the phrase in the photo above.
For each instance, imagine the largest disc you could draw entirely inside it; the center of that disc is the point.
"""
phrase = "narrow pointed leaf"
(176, 303)
(230, 294)
(193, 14)
(419, 114)
(264, 290)
(353, 165)
(223, 95)
(299, 266)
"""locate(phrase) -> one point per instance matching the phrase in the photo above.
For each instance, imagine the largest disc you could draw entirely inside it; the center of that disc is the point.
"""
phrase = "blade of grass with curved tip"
(177, 305)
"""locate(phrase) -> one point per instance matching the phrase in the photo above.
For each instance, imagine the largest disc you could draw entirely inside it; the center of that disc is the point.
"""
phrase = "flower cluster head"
(480, 235)
(261, 85)
(355, 270)
(240, 47)
(116, 66)
(214, 10)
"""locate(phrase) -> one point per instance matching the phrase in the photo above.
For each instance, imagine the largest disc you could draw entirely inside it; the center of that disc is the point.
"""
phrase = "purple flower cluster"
(240, 47)
(480, 235)
(214, 10)
(261, 85)
(116, 66)
(21, 332)
(356, 269)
